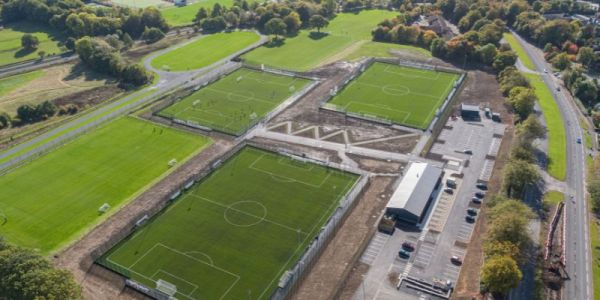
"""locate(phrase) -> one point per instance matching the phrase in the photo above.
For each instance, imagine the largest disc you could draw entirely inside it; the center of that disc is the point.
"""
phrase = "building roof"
(415, 188)
(468, 107)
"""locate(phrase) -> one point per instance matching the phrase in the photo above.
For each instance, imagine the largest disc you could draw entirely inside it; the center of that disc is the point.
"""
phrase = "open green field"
(515, 46)
(230, 237)
(205, 51)
(139, 3)
(235, 102)
(8, 84)
(10, 42)
(179, 16)
(557, 141)
(406, 96)
(346, 33)
(50, 201)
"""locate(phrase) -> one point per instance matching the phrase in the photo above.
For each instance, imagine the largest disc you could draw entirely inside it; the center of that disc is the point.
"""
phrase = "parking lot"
(446, 232)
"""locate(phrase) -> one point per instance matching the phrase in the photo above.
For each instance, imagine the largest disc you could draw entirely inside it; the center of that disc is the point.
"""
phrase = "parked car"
(468, 151)
(449, 190)
(476, 200)
(403, 253)
(471, 211)
(480, 195)
(481, 186)
(470, 219)
(451, 183)
(578, 140)
(408, 246)
(456, 260)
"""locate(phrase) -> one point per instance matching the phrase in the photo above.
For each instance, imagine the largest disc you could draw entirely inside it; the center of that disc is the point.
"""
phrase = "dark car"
(481, 186)
(470, 219)
(408, 246)
(403, 253)
(480, 195)
(449, 190)
(472, 211)
(456, 260)
(476, 200)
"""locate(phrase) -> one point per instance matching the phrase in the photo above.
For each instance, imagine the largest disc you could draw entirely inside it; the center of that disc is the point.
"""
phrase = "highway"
(578, 255)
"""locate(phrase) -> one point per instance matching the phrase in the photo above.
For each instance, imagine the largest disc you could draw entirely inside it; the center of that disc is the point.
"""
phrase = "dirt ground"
(84, 100)
(57, 81)
(482, 89)
(98, 283)
(306, 112)
(335, 263)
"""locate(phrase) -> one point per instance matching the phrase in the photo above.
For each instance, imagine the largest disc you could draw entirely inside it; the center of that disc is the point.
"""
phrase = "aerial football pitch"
(235, 233)
(402, 95)
(236, 102)
(52, 200)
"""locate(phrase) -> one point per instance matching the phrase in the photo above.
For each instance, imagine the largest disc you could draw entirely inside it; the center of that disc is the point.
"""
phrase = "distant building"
(469, 112)
(434, 23)
(180, 2)
(415, 192)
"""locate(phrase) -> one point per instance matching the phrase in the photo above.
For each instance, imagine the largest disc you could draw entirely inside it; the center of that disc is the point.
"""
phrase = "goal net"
(166, 287)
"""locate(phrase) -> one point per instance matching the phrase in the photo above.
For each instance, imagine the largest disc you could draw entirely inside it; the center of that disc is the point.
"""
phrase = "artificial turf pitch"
(52, 200)
(235, 233)
(235, 102)
(403, 95)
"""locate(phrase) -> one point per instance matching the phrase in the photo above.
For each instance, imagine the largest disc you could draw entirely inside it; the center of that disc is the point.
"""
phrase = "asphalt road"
(578, 255)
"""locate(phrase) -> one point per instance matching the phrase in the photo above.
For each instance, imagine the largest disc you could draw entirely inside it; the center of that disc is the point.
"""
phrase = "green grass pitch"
(235, 102)
(406, 96)
(233, 235)
(52, 200)
(205, 51)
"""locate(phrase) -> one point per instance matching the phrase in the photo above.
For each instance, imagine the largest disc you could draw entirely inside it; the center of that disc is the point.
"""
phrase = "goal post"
(166, 287)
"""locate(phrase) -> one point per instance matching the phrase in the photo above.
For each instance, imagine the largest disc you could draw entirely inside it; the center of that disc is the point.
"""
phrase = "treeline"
(567, 44)
(25, 274)
(480, 42)
(29, 114)
(284, 18)
(116, 26)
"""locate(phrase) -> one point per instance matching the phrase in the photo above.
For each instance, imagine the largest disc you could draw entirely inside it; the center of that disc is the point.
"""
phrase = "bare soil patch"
(327, 279)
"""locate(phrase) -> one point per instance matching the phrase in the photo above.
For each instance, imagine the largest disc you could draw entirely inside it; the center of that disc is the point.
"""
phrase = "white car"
(545, 71)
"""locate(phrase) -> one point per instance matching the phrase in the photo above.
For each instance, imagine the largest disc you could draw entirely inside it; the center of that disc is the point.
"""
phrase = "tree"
(495, 248)
(151, 17)
(275, 26)
(75, 25)
(232, 19)
(522, 101)
(217, 10)
(30, 41)
(42, 54)
(152, 35)
(487, 54)
(504, 59)
(318, 21)
(585, 56)
(438, 48)
(293, 22)
(561, 61)
(27, 275)
(127, 40)
(500, 274)
(135, 74)
(518, 175)
(214, 24)
(5, 120)
(586, 91)
(201, 15)
(530, 129)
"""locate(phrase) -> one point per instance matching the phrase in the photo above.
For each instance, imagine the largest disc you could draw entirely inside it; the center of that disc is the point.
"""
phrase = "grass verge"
(515, 46)
(557, 141)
